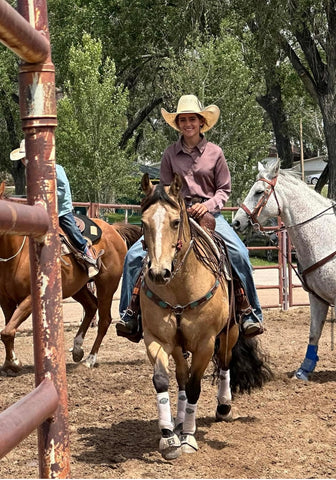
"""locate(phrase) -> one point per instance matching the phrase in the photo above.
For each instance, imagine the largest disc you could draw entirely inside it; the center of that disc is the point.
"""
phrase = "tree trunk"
(330, 135)
(272, 103)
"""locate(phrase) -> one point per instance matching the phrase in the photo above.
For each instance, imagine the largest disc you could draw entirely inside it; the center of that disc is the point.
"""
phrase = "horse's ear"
(260, 167)
(2, 189)
(274, 168)
(146, 184)
(176, 185)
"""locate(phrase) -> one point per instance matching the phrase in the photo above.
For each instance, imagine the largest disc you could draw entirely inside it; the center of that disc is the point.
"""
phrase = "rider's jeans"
(238, 256)
(69, 226)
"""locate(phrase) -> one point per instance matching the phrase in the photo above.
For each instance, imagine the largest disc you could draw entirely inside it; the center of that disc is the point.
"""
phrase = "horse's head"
(162, 218)
(259, 204)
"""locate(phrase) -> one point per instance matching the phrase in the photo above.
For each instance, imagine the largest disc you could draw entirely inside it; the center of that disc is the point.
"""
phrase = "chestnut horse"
(15, 295)
(185, 309)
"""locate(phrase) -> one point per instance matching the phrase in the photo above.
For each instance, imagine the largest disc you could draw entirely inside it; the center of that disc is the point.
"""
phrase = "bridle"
(253, 216)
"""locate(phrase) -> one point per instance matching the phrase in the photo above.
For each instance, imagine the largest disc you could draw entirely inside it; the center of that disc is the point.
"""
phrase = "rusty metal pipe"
(23, 219)
(20, 37)
(19, 420)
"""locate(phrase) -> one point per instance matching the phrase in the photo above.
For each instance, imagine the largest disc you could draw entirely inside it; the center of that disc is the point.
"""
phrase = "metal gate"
(45, 408)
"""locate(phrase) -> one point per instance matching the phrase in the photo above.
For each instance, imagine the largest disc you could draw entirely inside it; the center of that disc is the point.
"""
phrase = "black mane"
(159, 194)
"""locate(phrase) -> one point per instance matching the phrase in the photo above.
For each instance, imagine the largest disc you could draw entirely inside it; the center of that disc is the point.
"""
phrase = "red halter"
(253, 216)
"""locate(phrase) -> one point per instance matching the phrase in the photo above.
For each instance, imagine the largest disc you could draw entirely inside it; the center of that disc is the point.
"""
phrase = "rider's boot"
(249, 323)
(129, 325)
(91, 262)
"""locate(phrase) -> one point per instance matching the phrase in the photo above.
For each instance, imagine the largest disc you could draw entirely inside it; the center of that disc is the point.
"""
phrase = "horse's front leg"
(21, 313)
(169, 446)
(182, 374)
(200, 361)
(318, 314)
(224, 355)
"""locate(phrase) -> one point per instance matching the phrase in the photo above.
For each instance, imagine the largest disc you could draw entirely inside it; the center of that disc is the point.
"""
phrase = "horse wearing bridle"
(185, 309)
(311, 224)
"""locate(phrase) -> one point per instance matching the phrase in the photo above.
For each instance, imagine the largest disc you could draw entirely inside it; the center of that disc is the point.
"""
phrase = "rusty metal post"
(38, 115)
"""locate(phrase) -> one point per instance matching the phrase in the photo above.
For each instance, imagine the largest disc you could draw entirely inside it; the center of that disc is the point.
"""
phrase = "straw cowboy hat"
(191, 104)
(18, 153)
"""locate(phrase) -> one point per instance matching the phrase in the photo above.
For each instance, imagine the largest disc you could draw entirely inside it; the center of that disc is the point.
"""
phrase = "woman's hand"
(197, 210)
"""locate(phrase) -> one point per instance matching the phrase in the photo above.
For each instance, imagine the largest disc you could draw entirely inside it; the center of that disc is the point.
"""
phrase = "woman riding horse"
(205, 175)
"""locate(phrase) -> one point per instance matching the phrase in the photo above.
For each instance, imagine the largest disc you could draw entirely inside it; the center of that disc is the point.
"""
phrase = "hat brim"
(17, 154)
(210, 113)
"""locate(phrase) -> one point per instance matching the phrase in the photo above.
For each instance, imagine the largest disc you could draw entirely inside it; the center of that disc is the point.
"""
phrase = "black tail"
(130, 233)
(248, 368)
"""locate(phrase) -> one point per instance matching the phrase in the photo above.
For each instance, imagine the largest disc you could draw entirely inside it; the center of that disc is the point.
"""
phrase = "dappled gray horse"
(311, 224)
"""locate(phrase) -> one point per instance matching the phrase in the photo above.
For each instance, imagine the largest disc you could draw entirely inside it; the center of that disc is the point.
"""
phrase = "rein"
(17, 253)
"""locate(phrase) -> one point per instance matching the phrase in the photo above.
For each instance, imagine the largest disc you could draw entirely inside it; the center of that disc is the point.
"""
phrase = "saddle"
(88, 228)
(92, 233)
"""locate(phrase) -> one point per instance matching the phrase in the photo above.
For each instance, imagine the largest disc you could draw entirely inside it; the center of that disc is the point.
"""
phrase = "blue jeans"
(238, 256)
(69, 226)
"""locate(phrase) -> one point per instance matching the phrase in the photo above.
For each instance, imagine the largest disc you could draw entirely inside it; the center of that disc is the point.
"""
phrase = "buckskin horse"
(15, 296)
(185, 309)
(311, 224)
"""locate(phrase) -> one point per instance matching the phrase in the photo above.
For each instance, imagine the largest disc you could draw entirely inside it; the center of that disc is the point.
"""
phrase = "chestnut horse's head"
(163, 213)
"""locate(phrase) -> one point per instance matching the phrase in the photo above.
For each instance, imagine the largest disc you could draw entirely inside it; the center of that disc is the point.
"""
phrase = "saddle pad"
(88, 227)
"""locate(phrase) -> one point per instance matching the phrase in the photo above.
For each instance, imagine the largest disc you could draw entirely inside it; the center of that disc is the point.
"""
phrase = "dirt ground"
(285, 430)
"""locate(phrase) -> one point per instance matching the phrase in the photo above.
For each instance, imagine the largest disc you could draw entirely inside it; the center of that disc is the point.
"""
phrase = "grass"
(260, 262)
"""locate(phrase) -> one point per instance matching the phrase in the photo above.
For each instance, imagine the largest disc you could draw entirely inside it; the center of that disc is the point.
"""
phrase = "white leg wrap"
(224, 390)
(189, 424)
(181, 406)
(165, 419)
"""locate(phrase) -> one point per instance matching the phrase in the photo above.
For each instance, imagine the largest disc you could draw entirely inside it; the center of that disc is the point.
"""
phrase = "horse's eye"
(258, 193)
(175, 224)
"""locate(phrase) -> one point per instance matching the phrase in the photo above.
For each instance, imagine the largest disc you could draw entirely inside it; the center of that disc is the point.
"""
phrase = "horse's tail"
(249, 366)
(130, 233)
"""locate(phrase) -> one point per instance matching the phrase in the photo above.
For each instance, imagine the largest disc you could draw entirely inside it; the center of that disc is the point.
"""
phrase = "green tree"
(91, 121)
(305, 31)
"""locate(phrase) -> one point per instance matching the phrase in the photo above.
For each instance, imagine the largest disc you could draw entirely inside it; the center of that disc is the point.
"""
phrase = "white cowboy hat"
(18, 153)
(191, 104)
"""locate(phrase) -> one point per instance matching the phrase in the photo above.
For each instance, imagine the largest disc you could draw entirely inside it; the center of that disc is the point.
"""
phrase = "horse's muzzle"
(160, 277)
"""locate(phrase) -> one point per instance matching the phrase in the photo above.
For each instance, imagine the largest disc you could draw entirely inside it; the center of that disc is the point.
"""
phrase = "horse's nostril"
(167, 273)
(159, 277)
(235, 224)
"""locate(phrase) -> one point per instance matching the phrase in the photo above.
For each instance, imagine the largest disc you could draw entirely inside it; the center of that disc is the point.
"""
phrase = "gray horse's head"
(261, 202)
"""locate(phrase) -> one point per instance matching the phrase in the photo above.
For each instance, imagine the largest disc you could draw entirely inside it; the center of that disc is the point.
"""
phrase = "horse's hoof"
(12, 367)
(77, 354)
(188, 443)
(224, 413)
(301, 374)
(90, 361)
(170, 447)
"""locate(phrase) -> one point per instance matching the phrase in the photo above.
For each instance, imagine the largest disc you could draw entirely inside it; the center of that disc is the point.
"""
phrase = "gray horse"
(311, 224)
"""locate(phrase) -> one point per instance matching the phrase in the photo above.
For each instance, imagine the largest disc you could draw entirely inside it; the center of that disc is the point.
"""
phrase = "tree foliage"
(91, 121)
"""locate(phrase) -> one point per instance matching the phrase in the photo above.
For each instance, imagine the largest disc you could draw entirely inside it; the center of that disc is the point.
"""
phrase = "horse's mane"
(159, 194)
(294, 177)
(130, 233)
